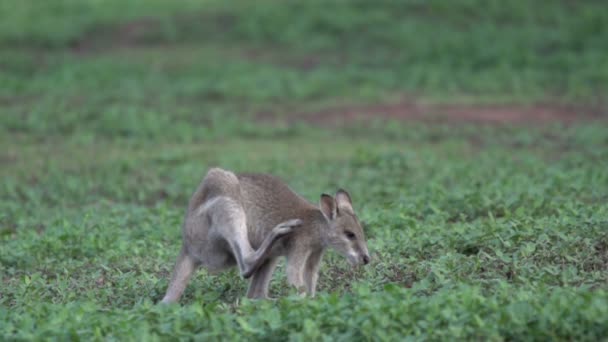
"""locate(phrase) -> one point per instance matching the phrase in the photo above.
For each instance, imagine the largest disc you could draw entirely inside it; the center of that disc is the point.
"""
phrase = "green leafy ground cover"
(111, 112)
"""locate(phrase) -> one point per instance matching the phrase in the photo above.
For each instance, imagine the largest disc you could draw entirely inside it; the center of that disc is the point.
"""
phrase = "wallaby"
(250, 220)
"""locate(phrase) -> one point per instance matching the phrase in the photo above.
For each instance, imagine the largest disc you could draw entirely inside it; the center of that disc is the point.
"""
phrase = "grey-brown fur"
(249, 220)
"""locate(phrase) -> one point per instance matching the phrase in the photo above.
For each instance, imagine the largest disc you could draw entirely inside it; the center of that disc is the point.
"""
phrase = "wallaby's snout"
(364, 257)
(356, 255)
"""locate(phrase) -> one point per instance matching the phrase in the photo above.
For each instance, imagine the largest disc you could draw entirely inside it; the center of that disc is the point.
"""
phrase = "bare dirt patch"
(153, 31)
(446, 113)
(130, 34)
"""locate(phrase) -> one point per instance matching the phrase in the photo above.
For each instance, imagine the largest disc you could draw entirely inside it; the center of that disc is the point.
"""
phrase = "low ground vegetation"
(113, 111)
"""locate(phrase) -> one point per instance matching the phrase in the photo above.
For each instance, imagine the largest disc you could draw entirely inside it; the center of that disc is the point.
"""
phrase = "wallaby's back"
(268, 200)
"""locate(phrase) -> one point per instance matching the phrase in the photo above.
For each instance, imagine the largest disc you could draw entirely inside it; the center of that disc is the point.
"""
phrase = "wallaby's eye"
(350, 235)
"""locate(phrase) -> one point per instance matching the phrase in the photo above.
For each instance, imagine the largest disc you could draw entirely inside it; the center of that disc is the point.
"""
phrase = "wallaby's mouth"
(353, 259)
(356, 259)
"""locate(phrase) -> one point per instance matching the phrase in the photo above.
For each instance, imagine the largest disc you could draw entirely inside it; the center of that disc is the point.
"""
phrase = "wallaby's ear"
(343, 201)
(328, 206)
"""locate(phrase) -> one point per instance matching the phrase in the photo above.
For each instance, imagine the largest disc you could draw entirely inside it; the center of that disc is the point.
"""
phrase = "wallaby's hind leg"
(258, 287)
(248, 259)
(261, 254)
(184, 267)
(229, 221)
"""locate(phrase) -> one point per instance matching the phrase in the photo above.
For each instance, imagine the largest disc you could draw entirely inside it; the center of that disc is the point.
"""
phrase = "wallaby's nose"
(366, 259)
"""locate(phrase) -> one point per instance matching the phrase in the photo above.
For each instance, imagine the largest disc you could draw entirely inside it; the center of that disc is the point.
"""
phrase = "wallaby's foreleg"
(311, 272)
(258, 286)
(184, 267)
(296, 264)
(303, 270)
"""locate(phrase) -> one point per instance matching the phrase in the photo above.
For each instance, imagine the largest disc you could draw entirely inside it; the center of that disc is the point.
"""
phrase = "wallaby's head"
(345, 233)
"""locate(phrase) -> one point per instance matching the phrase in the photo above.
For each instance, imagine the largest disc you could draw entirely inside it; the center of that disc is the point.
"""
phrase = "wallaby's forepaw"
(287, 227)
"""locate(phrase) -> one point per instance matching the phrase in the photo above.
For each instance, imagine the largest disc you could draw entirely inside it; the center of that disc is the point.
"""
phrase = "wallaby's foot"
(282, 229)
(286, 227)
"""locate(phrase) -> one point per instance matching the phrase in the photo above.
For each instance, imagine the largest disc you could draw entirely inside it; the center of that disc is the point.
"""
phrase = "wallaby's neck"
(321, 225)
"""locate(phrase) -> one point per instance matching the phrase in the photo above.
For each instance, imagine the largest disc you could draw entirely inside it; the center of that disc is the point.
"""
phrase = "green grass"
(111, 112)
(291, 51)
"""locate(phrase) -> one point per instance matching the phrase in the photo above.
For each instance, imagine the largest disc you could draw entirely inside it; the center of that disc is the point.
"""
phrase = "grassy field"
(112, 111)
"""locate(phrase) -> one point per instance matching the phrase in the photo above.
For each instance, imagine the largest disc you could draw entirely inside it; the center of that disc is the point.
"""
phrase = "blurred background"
(189, 70)
(472, 136)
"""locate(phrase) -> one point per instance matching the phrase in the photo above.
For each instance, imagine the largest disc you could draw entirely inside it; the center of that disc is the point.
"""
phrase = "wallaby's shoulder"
(267, 187)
